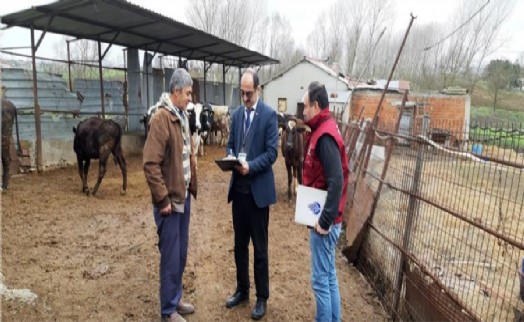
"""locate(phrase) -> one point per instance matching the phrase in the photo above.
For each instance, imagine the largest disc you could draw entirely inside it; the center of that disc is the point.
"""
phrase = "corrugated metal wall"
(90, 89)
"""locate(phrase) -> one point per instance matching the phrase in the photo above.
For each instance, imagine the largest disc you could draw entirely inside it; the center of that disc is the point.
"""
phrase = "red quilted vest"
(313, 173)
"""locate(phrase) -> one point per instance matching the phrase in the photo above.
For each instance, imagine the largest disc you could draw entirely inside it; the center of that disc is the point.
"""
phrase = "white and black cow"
(200, 122)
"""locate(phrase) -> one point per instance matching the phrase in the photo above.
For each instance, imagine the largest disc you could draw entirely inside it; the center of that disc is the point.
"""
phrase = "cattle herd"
(95, 138)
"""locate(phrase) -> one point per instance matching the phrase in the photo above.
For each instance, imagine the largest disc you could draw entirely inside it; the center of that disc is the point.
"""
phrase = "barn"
(49, 107)
(284, 92)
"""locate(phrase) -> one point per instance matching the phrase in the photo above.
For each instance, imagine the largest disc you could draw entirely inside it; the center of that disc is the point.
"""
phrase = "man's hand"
(244, 169)
(320, 230)
(166, 210)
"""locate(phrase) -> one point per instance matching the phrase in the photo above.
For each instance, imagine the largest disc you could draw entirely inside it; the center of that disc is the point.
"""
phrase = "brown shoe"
(185, 308)
(175, 317)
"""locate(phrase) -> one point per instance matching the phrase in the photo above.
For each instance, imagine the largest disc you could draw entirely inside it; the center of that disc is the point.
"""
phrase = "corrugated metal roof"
(122, 23)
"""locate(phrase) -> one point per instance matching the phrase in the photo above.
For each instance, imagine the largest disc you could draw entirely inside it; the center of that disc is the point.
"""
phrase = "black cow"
(292, 145)
(96, 138)
(8, 117)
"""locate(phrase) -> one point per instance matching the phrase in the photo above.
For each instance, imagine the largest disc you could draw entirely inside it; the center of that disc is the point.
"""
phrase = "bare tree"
(378, 17)
(348, 32)
(474, 32)
(278, 43)
(82, 52)
(237, 21)
(318, 40)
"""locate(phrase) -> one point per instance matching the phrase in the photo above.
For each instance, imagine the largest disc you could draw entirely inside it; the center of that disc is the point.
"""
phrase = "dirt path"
(95, 258)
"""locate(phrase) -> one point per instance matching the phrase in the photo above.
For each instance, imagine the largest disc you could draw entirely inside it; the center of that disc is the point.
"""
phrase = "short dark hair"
(253, 73)
(317, 92)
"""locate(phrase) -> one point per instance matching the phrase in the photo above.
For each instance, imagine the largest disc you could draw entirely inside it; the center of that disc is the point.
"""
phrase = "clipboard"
(310, 202)
(227, 164)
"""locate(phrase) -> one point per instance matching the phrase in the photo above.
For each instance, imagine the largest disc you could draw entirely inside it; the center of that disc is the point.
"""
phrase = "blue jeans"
(324, 274)
(173, 237)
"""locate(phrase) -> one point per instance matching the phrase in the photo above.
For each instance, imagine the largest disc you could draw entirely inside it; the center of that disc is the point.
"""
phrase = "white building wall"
(293, 84)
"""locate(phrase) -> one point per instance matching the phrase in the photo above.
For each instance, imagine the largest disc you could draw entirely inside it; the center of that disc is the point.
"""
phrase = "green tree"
(499, 75)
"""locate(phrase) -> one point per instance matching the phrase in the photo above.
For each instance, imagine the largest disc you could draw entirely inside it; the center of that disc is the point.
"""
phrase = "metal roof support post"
(205, 82)
(125, 97)
(101, 78)
(38, 127)
(224, 82)
(69, 66)
(147, 62)
(239, 80)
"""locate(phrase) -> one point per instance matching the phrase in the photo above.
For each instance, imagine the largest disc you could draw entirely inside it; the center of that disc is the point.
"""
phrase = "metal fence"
(435, 218)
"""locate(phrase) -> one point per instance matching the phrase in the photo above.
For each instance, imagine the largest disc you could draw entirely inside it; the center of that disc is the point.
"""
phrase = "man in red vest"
(325, 168)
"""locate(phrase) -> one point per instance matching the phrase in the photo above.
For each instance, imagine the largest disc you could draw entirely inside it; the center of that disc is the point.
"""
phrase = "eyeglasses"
(247, 94)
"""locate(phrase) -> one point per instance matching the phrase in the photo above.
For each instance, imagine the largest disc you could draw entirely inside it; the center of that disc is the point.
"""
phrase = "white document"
(310, 202)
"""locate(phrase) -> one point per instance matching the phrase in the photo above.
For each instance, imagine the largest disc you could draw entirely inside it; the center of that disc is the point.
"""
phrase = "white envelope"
(310, 202)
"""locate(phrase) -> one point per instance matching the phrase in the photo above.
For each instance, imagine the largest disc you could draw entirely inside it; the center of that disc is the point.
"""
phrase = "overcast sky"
(301, 14)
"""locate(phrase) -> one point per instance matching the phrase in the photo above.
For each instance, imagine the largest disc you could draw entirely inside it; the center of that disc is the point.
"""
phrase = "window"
(282, 105)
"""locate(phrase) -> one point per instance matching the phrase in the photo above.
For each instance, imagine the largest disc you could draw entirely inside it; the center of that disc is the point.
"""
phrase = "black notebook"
(227, 164)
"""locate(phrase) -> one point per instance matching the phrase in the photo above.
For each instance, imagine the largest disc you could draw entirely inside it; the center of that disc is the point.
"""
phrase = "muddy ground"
(96, 259)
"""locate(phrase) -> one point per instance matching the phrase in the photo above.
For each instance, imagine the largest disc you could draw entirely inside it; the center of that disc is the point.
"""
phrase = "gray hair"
(179, 80)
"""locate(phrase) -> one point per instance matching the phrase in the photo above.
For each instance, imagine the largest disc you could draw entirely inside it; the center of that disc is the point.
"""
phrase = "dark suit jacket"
(262, 153)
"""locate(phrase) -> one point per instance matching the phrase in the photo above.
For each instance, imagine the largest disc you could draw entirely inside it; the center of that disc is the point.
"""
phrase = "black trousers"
(251, 222)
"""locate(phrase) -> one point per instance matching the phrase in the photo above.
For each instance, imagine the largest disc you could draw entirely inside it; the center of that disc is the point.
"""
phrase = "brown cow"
(8, 117)
(96, 138)
(292, 144)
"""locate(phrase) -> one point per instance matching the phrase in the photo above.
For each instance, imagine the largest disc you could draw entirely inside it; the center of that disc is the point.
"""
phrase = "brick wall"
(445, 111)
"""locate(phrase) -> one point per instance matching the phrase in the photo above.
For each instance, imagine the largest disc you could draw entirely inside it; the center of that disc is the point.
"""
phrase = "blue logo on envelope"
(315, 208)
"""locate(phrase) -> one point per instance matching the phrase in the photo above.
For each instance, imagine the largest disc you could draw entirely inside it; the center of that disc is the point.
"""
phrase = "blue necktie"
(248, 119)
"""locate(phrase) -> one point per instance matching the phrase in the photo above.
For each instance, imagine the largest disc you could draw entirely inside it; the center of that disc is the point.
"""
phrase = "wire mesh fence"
(435, 218)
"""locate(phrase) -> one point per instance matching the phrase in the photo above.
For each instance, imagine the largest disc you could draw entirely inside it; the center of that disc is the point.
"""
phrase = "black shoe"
(236, 299)
(259, 310)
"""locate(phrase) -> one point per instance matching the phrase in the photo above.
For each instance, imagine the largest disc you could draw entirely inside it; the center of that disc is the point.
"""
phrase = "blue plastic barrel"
(476, 148)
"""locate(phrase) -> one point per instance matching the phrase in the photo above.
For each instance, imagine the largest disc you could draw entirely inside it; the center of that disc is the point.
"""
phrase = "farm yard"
(95, 258)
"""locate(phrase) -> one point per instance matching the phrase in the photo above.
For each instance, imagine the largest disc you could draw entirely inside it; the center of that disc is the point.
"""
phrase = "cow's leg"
(5, 166)
(289, 178)
(86, 165)
(104, 155)
(201, 146)
(119, 156)
(83, 168)
(294, 180)
(299, 172)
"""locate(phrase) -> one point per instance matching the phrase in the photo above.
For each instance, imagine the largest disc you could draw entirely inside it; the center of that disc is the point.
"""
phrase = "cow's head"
(194, 111)
(206, 117)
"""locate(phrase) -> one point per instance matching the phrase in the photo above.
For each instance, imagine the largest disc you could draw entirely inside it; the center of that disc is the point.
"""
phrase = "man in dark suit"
(253, 139)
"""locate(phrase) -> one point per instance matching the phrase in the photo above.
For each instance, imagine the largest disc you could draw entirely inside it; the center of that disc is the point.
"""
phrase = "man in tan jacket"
(170, 171)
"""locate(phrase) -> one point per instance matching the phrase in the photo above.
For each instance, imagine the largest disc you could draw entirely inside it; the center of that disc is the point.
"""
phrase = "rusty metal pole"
(375, 117)
(147, 63)
(205, 82)
(125, 95)
(412, 213)
(69, 66)
(38, 127)
(101, 78)
(239, 81)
